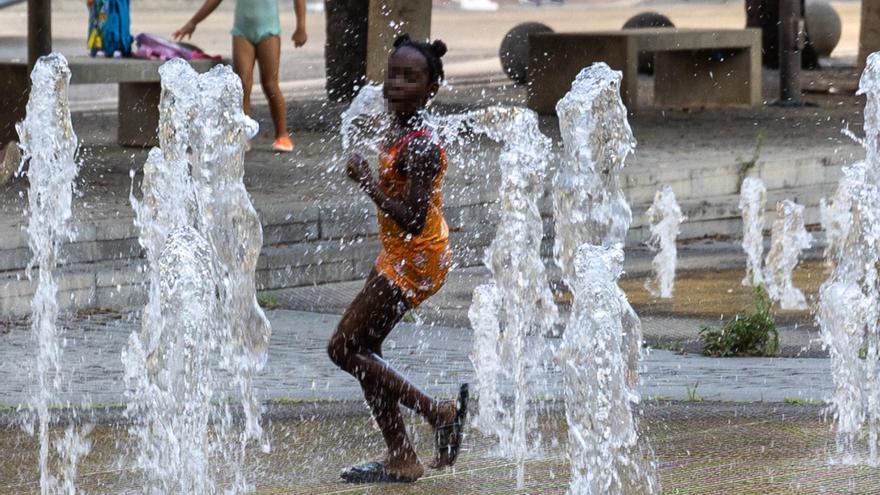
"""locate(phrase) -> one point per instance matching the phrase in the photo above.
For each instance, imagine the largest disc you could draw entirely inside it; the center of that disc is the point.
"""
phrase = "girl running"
(411, 267)
(256, 37)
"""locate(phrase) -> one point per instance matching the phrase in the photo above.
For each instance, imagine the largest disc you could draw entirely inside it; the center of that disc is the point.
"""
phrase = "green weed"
(268, 301)
(692, 393)
(752, 334)
(745, 166)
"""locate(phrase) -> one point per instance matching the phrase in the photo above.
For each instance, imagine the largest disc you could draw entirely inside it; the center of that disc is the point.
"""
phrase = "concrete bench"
(693, 68)
(139, 91)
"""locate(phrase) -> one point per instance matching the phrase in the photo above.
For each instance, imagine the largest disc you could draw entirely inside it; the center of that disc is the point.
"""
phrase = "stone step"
(307, 243)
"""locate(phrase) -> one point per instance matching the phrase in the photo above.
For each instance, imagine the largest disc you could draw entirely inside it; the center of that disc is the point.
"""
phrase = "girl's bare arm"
(421, 158)
(299, 35)
(204, 11)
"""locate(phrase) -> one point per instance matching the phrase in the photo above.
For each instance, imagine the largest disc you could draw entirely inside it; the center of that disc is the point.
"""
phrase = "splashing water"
(589, 205)
(514, 258)
(599, 393)
(486, 359)
(202, 238)
(230, 223)
(365, 121)
(849, 301)
(665, 217)
(175, 383)
(788, 239)
(752, 202)
(49, 146)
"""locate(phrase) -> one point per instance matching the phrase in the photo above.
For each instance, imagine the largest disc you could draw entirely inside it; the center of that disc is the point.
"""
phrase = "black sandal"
(448, 437)
(372, 472)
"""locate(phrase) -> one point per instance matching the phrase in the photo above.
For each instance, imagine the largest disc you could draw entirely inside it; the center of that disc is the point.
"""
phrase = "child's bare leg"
(269, 58)
(243, 58)
(356, 348)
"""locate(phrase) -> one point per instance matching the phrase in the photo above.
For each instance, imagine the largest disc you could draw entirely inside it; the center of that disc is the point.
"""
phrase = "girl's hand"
(299, 37)
(185, 32)
(358, 170)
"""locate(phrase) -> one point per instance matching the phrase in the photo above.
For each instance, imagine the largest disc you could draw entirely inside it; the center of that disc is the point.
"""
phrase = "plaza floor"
(700, 448)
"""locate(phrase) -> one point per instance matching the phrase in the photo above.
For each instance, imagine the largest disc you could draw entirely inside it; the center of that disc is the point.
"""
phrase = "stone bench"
(693, 68)
(139, 90)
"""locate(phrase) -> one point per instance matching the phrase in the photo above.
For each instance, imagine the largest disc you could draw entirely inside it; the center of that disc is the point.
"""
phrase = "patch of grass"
(753, 334)
(409, 317)
(801, 401)
(670, 345)
(745, 166)
(268, 301)
(692, 393)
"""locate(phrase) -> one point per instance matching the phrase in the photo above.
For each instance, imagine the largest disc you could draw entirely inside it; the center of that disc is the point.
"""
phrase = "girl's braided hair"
(431, 51)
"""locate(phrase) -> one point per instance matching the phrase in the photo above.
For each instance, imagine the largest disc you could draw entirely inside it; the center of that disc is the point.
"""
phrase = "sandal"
(447, 438)
(372, 472)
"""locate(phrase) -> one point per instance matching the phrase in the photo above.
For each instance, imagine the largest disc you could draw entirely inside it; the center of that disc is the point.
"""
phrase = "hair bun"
(401, 40)
(439, 48)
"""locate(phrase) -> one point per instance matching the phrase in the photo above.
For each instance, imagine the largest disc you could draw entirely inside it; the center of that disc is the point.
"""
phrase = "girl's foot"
(384, 472)
(283, 144)
(448, 436)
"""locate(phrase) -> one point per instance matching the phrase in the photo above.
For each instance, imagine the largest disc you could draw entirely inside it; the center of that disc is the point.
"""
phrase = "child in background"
(256, 38)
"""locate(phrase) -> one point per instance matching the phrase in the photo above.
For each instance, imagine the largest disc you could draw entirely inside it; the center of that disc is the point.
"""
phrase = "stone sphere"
(823, 26)
(647, 20)
(514, 51)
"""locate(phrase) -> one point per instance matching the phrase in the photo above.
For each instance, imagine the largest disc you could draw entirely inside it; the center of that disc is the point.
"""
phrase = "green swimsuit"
(256, 20)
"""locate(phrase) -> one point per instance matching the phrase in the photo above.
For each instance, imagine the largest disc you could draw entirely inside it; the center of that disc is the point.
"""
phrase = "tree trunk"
(387, 20)
(764, 14)
(869, 36)
(345, 51)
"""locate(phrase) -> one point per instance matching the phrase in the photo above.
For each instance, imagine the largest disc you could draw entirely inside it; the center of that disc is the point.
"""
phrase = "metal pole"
(790, 44)
(39, 29)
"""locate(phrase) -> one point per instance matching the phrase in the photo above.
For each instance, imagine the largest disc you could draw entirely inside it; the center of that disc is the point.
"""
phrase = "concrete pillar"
(39, 29)
(869, 36)
(15, 86)
(345, 49)
(389, 19)
(790, 45)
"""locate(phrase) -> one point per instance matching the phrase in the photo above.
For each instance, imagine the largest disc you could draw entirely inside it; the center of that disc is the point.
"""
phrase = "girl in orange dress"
(412, 266)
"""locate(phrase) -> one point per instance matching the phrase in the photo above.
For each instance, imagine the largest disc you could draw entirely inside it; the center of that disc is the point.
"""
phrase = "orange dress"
(417, 264)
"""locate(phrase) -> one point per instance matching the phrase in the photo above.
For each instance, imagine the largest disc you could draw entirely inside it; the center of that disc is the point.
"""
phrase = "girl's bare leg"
(356, 348)
(269, 58)
(243, 58)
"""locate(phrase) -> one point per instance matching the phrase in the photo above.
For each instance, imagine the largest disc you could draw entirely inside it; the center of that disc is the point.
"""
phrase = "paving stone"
(435, 357)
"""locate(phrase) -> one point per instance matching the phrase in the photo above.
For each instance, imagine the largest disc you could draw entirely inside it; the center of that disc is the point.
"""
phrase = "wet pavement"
(701, 448)
(434, 357)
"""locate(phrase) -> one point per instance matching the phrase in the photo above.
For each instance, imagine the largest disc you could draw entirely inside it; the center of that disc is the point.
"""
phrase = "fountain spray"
(849, 301)
(665, 217)
(788, 239)
(202, 237)
(752, 201)
(49, 146)
(589, 205)
(603, 442)
(590, 208)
